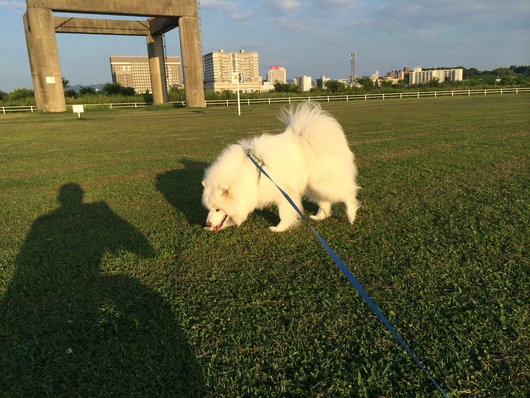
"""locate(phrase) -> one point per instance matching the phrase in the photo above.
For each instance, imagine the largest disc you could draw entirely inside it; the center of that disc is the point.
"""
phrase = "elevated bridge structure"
(41, 26)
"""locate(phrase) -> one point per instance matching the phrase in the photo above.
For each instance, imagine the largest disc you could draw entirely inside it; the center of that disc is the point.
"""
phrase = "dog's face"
(222, 210)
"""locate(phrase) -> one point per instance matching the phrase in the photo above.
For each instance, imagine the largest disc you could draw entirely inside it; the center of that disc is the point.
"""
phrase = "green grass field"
(122, 293)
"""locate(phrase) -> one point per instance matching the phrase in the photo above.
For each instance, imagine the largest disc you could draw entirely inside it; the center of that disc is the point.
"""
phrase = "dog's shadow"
(182, 189)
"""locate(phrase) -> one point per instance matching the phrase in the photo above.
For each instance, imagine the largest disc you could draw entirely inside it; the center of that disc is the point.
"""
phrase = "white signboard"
(79, 109)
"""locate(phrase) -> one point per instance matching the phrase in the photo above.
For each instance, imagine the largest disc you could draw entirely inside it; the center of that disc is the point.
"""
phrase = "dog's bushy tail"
(300, 117)
(309, 122)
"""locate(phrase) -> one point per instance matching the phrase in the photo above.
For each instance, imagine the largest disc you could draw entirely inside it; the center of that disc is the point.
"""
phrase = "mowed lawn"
(111, 287)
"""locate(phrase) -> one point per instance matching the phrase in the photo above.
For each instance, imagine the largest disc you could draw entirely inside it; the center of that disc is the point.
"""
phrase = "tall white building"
(375, 77)
(418, 76)
(304, 82)
(220, 65)
(277, 74)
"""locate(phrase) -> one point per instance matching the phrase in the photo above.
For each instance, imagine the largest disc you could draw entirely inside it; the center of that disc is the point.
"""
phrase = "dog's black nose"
(208, 224)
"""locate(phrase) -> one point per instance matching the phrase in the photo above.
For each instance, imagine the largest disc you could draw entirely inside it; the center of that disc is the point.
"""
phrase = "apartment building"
(132, 71)
(418, 75)
(321, 83)
(304, 82)
(398, 74)
(277, 74)
(219, 67)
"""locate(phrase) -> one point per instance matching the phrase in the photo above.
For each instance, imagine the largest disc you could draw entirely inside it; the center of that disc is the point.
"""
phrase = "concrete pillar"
(45, 60)
(157, 68)
(190, 49)
(33, 68)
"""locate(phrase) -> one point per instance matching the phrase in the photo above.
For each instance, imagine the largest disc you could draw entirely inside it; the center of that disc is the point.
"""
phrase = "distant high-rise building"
(220, 66)
(398, 74)
(277, 74)
(134, 72)
(418, 75)
(304, 82)
(321, 83)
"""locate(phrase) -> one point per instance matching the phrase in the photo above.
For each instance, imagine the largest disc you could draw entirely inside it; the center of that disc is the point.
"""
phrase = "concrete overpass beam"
(44, 56)
(190, 49)
(163, 8)
(33, 68)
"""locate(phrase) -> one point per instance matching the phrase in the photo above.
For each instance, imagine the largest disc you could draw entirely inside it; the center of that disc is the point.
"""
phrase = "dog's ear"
(203, 184)
(225, 191)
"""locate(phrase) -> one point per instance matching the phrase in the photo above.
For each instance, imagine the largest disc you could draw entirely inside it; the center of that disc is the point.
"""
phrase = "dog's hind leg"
(324, 210)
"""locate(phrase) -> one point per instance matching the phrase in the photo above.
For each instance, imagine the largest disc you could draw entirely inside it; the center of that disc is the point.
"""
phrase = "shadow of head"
(182, 189)
(70, 195)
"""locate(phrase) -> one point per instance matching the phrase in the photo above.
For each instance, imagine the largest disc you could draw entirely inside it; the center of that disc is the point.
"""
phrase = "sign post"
(236, 77)
(79, 109)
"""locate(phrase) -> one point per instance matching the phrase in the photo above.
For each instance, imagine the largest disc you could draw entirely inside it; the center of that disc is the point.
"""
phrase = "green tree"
(227, 94)
(176, 94)
(112, 88)
(118, 89)
(335, 86)
(21, 94)
(70, 93)
(435, 82)
(366, 83)
(87, 90)
(470, 73)
(503, 72)
(286, 88)
(401, 83)
(521, 70)
(128, 91)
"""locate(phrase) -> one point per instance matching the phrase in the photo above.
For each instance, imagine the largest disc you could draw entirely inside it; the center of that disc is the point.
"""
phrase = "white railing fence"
(321, 98)
(25, 108)
(366, 97)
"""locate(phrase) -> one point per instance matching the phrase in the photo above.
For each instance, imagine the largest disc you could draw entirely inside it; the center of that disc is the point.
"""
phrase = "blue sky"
(306, 37)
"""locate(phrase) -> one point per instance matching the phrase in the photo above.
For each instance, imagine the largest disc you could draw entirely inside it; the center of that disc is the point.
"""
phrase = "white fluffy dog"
(310, 158)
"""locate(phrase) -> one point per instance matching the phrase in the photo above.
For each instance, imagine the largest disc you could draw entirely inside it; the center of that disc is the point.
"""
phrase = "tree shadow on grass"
(68, 330)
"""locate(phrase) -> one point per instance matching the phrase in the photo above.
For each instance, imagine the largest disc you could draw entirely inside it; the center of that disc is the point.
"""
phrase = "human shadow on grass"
(68, 330)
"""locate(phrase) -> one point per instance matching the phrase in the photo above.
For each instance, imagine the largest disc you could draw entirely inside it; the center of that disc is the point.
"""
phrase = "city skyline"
(305, 37)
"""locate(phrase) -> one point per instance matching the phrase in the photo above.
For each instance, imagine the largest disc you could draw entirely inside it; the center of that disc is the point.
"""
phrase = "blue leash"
(349, 275)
